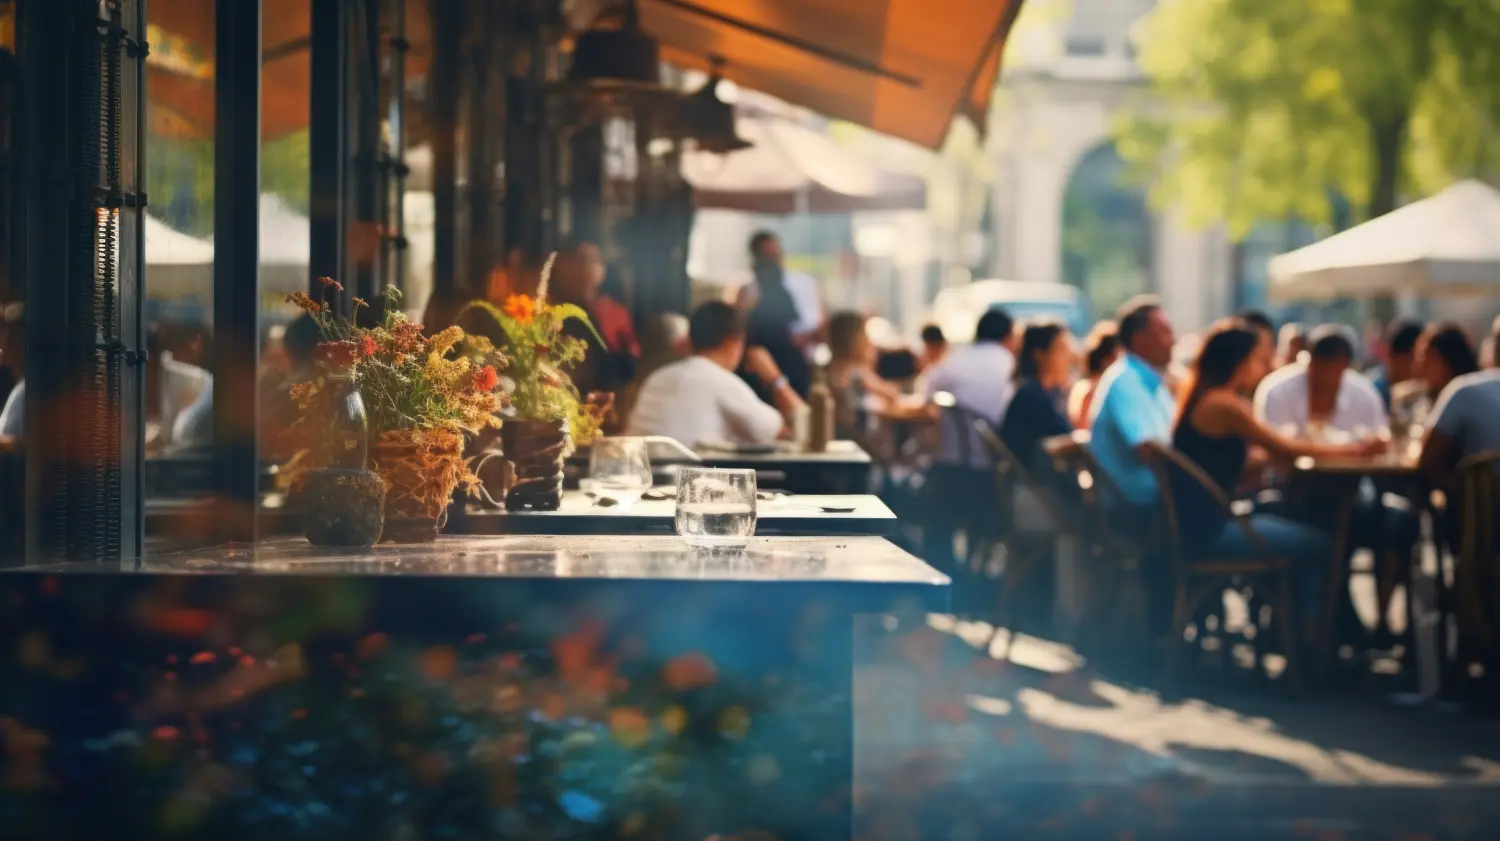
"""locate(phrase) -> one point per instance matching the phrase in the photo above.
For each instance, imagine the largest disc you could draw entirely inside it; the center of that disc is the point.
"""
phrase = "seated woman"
(1100, 351)
(1044, 366)
(1215, 428)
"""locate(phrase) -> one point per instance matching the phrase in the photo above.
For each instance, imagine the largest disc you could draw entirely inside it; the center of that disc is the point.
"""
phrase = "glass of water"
(619, 470)
(715, 506)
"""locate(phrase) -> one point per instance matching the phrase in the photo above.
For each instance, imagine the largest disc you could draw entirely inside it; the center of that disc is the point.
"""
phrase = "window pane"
(179, 234)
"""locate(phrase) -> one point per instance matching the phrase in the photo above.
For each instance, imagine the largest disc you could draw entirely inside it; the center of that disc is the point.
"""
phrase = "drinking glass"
(619, 469)
(715, 506)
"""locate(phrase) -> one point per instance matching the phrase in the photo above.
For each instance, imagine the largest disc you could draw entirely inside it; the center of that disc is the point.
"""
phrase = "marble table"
(558, 687)
(843, 468)
(858, 514)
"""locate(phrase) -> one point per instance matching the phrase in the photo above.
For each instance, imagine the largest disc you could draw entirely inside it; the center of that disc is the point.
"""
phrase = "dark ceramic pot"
(534, 450)
(343, 508)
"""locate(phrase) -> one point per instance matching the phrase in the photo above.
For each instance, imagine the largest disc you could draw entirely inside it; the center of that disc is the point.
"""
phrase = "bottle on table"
(820, 412)
(348, 431)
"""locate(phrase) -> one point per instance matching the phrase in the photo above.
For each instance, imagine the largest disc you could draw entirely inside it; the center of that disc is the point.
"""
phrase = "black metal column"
(73, 130)
(447, 31)
(393, 238)
(481, 149)
(237, 265)
(329, 145)
(366, 181)
(132, 280)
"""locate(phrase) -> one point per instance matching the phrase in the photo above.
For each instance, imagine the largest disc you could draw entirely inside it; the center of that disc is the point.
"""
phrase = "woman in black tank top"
(1216, 429)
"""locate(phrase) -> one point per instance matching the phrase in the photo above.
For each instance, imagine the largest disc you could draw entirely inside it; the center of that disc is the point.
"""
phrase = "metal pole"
(237, 266)
(368, 178)
(133, 289)
(327, 195)
(447, 43)
(399, 48)
(43, 259)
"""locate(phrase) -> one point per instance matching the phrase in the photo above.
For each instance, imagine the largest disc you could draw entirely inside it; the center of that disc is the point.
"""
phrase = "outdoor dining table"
(1342, 476)
(433, 673)
(844, 467)
(777, 514)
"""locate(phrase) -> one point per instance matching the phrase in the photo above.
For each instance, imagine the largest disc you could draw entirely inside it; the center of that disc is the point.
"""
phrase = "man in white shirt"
(700, 399)
(1465, 421)
(1322, 390)
(962, 482)
(979, 378)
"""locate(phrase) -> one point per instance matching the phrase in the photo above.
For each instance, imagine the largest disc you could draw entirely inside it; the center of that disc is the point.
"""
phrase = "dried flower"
(444, 341)
(486, 379)
(304, 302)
(337, 355)
(367, 346)
(360, 303)
(521, 307)
(330, 283)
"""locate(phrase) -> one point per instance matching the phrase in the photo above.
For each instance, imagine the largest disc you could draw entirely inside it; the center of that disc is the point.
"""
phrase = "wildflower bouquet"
(409, 381)
(421, 394)
(538, 357)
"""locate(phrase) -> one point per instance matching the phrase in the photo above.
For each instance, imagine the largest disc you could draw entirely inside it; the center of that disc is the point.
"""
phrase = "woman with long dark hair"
(1044, 369)
(1443, 355)
(1100, 352)
(1216, 427)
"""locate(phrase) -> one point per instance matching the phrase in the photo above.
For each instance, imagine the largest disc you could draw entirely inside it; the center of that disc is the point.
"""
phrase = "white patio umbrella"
(1442, 245)
(167, 246)
(791, 168)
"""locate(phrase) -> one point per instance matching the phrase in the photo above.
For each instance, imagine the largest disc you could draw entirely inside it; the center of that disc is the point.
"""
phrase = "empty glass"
(715, 506)
(619, 470)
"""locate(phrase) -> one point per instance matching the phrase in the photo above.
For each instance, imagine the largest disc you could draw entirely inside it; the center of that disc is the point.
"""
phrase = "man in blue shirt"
(1133, 405)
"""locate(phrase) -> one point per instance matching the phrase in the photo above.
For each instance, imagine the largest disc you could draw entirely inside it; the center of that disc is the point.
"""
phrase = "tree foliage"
(1265, 109)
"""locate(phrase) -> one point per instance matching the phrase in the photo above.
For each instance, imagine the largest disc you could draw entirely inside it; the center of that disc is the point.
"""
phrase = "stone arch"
(1108, 243)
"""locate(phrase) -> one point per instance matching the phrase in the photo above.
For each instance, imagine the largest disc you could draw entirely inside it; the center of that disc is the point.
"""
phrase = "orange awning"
(181, 64)
(901, 67)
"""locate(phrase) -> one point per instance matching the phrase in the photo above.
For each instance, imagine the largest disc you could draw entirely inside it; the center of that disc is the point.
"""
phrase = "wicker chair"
(1026, 545)
(1116, 626)
(1198, 576)
(1476, 578)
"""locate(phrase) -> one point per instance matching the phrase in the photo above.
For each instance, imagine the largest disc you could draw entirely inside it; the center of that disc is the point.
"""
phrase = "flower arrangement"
(538, 357)
(421, 394)
(408, 380)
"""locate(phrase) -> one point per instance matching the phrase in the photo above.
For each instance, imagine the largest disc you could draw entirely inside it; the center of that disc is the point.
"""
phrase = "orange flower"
(367, 346)
(521, 307)
(486, 379)
(331, 284)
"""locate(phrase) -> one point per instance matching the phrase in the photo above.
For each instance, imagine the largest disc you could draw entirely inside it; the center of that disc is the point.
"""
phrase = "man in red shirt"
(576, 279)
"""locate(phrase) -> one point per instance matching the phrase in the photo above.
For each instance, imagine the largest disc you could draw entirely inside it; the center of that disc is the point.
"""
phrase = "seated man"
(1462, 424)
(699, 399)
(1322, 391)
(1132, 406)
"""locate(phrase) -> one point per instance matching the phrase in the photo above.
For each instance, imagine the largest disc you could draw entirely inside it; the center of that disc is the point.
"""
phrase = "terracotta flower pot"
(535, 450)
(421, 470)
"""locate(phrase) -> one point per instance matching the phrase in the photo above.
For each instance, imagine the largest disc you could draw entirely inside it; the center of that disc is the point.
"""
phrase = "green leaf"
(567, 311)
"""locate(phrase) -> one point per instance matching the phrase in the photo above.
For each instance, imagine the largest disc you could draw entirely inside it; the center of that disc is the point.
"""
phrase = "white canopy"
(167, 246)
(1445, 244)
(792, 168)
(285, 235)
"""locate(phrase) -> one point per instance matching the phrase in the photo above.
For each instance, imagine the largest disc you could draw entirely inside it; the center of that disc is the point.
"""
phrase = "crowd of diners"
(1241, 400)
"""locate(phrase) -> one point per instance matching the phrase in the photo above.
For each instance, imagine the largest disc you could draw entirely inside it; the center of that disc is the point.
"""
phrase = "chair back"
(957, 423)
(1477, 579)
(1012, 474)
(1166, 462)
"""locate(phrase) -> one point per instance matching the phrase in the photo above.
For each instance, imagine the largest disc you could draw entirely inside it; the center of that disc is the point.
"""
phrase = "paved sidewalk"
(952, 743)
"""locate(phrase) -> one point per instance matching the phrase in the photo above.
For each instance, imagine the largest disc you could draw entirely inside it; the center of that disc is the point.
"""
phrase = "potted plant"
(546, 416)
(421, 395)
